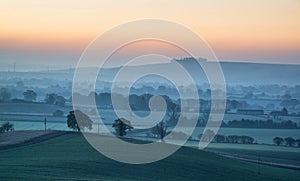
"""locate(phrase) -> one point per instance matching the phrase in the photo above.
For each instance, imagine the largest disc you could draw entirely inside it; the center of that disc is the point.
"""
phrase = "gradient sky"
(57, 31)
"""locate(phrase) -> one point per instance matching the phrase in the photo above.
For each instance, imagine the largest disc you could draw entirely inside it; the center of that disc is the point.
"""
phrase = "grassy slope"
(283, 157)
(70, 157)
(268, 153)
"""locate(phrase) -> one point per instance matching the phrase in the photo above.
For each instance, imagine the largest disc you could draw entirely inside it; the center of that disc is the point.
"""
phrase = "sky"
(55, 32)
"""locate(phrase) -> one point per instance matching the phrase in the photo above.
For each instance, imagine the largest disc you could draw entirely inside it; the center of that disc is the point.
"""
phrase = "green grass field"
(268, 153)
(70, 157)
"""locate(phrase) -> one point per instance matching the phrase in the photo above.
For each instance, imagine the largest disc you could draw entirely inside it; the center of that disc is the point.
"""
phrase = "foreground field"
(276, 155)
(10, 139)
(70, 157)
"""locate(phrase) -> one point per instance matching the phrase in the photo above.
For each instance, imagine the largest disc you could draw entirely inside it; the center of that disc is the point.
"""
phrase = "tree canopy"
(121, 126)
(77, 120)
(160, 129)
(5, 127)
(55, 99)
(290, 141)
(29, 95)
(278, 141)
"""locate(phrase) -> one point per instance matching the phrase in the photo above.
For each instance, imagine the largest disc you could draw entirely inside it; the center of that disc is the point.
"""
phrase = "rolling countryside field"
(70, 157)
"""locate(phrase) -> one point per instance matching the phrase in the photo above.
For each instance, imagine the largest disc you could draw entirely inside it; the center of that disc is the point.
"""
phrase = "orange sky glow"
(248, 30)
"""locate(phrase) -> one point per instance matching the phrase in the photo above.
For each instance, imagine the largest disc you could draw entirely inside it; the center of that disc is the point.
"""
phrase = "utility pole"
(45, 122)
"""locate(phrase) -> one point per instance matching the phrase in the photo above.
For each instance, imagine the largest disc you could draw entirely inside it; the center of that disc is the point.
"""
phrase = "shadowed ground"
(70, 157)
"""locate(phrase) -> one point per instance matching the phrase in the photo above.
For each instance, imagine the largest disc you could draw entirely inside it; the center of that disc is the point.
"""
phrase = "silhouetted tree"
(246, 139)
(77, 120)
(29, 95)
(60, 101)
(6, 127)
(55, 99)
(173, 111)
(121, 126)
(160, 129)
(278, 141)
(290, 141)
(50, 98)
(233, 139)
(284, 112)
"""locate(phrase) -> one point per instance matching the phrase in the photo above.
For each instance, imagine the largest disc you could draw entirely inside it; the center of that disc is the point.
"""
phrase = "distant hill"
(234, 72)
(254, 73)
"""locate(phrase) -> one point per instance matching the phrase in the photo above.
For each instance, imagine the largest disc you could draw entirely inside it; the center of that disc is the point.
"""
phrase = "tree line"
(289, 141)
(269, 124)
(209, 135)
(31, 96)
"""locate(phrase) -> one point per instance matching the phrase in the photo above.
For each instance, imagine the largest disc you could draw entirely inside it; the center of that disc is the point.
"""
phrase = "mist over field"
(249, 86)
